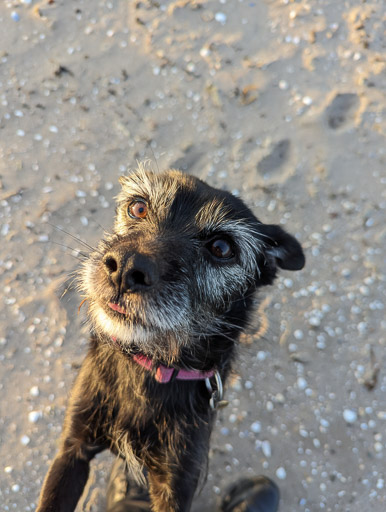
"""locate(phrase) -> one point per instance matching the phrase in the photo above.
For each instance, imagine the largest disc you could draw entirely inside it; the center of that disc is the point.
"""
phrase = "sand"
(280, 102)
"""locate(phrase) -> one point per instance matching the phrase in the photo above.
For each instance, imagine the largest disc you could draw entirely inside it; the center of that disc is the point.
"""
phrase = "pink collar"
(165, 374)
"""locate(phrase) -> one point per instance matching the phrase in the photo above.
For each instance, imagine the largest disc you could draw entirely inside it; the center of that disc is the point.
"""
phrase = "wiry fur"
(190, 317)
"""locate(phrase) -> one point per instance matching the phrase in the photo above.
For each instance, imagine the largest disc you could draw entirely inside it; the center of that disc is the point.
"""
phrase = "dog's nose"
(135, 273)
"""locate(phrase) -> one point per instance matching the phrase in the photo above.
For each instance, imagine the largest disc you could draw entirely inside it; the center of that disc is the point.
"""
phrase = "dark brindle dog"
(168, 294)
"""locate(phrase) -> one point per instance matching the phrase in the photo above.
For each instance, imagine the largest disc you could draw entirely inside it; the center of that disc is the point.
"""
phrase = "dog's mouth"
(117, 308)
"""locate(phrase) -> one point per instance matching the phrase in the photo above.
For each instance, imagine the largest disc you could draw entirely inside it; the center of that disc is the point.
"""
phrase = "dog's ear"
(283, 247)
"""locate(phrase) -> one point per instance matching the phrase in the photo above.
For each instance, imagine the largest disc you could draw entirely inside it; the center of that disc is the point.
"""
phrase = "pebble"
(266, 448)
(307, 100)
(261, 355)
(8, 469)
(349, 415)
(15, 488)
(298, 334)
(15, 16)
(25, 440)
(281, 473)
(204, 52)
(314, 321)
(283, 85)
(256, 427)
(220, 17)
(34, 416)
(301, 383)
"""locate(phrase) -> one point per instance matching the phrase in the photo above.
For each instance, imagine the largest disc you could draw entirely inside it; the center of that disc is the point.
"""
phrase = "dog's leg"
(69, 471)
(174, 477)
(172, 493)
(64, 482)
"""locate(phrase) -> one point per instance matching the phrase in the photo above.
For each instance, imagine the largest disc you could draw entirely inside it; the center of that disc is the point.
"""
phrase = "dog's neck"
(164, 374)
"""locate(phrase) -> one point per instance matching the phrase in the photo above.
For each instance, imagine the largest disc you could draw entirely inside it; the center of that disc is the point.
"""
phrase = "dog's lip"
(117, 308)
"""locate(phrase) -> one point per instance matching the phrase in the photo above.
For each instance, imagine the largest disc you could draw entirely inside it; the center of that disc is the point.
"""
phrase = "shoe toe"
(258, 494)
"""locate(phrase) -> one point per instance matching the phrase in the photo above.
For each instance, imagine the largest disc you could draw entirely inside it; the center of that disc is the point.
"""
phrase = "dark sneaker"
(122, 495)
(257, 494)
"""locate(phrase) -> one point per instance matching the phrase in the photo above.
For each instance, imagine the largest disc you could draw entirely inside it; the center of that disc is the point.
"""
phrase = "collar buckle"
(216, 391)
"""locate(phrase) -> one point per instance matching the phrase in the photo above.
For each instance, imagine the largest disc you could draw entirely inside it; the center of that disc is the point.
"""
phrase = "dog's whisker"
(85, 244)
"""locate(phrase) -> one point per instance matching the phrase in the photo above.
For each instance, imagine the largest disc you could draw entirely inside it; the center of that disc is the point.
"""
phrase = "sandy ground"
(280, 101)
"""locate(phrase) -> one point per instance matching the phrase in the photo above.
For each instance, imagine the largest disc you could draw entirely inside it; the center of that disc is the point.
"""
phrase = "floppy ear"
(282, 246)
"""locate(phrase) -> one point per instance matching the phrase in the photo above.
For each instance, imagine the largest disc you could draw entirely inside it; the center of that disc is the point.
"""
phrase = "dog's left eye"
(138, 210)
(221, 249)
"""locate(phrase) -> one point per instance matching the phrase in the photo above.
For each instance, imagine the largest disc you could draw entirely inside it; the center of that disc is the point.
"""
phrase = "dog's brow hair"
(159, 190)
(212, 215)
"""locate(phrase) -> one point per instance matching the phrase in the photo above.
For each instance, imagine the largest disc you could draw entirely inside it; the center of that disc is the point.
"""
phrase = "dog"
(168, 294)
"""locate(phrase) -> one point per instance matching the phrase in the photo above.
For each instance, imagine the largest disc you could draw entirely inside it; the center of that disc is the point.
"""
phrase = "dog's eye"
(138, 210)
(221, 249)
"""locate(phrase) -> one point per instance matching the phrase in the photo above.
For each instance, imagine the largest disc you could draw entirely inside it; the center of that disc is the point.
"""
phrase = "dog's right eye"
(137, 210)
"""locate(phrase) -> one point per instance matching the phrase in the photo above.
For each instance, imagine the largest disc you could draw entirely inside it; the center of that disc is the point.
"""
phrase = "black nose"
(130, 273)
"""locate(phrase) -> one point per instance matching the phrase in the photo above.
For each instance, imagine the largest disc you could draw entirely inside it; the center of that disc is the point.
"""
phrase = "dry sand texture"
(280, 101)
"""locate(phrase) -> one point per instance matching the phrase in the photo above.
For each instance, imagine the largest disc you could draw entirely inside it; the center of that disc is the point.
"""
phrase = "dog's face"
(181, 255)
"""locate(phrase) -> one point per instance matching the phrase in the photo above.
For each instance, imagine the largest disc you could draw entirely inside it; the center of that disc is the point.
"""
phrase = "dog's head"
(182, 258)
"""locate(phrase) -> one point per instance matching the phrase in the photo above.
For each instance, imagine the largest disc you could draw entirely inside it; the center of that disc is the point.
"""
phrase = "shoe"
(122, 495)
(257, 494)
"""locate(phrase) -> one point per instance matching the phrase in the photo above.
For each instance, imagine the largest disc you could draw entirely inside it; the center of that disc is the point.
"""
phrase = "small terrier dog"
(168, 293)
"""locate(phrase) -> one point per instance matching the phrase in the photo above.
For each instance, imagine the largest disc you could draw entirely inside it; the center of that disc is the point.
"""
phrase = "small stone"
(301, 383)
(8, 469)
(298, 334)
(307, 101)
(34, 391)
(266, 448)
(314, 321)
(15, 488)
(53, 129)
(281, 473)
(25, 440)
(220, 17)
(15, 16)
(283, 85)
(34, 416)
(261, 355)
(232, 418)
(204, 52)
(350, 416)
(256, 427)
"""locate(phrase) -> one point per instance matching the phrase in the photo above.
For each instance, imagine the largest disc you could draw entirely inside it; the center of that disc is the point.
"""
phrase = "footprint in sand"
(341, 110)
(272, 166)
